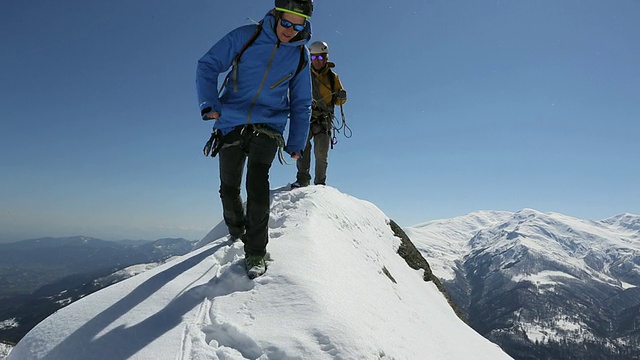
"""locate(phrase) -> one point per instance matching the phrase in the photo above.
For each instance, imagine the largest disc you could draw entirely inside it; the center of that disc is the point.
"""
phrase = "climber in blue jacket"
(268, 84)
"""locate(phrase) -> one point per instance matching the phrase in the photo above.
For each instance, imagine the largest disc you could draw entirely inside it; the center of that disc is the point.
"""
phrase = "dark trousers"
(320, 134)
(258, 150)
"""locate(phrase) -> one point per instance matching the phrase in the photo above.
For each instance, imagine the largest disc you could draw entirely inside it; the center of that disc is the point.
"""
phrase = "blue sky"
(455, 106)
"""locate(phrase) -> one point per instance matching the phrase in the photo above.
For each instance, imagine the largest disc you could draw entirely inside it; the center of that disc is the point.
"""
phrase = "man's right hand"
(214, 115)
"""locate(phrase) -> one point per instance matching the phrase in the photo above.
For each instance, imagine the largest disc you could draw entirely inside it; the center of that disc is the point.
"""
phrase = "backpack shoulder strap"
(332, 80)
(234, 70)
(251, 40)
(303, 61)
(301, 64)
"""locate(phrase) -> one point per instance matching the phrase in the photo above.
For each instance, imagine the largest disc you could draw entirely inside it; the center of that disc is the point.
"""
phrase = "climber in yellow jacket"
(327, 92)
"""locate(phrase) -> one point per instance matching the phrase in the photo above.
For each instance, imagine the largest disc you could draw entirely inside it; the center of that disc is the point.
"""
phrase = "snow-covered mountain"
(542, 285)
(336, 287)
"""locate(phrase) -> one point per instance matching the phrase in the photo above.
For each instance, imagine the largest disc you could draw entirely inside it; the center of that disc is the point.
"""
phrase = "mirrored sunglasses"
(318, 57)
(287, 24)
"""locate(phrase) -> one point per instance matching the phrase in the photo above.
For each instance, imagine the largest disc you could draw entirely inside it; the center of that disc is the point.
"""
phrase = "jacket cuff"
(291, 150)
(205, 111)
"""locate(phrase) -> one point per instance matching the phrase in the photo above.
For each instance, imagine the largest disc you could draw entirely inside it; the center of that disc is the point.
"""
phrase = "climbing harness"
(216, 141)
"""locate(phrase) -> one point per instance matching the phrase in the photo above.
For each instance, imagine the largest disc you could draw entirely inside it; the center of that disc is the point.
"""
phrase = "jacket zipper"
(264, 79)
(281, 81)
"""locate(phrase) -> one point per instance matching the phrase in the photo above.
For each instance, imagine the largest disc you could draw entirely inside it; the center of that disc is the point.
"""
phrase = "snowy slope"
(447, 240)
(5, 349)
(325, 295)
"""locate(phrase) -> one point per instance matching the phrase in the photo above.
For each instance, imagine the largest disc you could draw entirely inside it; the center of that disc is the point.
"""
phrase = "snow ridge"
(325, 295)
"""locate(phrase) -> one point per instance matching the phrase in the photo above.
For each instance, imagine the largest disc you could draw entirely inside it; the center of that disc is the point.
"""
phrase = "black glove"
(341, 94)
(213, 146)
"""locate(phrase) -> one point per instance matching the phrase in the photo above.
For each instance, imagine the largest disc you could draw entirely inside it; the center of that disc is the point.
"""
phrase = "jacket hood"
(269, 27)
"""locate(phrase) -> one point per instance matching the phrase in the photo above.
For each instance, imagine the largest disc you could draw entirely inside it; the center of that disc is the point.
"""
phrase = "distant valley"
(39, 276)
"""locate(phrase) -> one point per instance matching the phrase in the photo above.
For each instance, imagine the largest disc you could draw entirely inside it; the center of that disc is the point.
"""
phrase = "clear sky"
(455, 106)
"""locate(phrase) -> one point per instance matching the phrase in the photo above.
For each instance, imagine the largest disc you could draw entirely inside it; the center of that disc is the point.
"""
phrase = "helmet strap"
(292, 12)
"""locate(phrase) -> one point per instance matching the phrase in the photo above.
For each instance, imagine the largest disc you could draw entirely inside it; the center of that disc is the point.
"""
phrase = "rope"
(338, 125)
(268, 131)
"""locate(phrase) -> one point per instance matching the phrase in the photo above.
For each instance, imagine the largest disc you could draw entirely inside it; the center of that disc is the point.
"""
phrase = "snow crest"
(325, 295)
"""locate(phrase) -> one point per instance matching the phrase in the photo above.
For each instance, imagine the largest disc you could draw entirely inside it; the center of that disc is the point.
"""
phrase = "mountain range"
(542, 285)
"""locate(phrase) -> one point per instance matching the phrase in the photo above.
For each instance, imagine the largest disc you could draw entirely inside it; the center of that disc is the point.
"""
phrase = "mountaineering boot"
(298, 184)
(255, 266)
(235, 238)
(236, 232)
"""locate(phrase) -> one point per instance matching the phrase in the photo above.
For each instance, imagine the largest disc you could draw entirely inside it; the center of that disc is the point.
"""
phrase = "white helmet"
(319, 47)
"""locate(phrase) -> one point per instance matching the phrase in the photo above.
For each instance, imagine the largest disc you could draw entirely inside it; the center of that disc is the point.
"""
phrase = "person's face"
(286, 34)
(318, 61)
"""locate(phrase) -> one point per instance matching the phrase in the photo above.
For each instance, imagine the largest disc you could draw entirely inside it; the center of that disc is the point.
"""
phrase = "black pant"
(260, 150)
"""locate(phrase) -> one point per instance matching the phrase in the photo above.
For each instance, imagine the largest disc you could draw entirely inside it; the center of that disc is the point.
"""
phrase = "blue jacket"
(267, 90)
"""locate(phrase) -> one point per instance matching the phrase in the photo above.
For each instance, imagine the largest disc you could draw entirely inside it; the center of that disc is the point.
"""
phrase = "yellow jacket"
(324, 97)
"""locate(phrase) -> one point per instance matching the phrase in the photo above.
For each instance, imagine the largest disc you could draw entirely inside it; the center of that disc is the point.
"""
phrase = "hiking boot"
(255, 266)
(235, 238)
(237, 232)
(298, 184)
